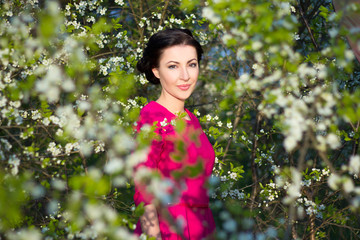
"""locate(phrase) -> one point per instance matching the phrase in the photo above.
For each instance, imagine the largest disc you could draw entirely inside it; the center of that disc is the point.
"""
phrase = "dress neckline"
(167, 110)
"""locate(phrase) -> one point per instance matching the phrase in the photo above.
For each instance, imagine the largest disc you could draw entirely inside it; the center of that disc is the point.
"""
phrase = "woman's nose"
(184, 74)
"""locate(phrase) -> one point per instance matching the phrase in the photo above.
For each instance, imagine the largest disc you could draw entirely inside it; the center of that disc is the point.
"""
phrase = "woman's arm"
(150, 222)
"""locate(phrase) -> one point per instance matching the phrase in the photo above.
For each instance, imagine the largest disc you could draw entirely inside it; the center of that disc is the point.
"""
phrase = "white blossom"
(209, 13)
(25, 234)
(68, 148)
(348, 185)
(101, 10)
(256, 45)
(114, 165)
(6, 144)
(224, 194)
(333, 141)
(35, 114)
(59, 132)
(49, 85)
(354, 165)
(14, 161)
(349, 55)
(164, 123)
(333, 32)
(46, 121)
(334, 181)
(100, 147)
(295, 124)
(119, 2)
(3, 101)
(68, 85)
(91, 19)
(54, 149)
(296, 36)
(293, 190)
(58, 184)
(15, 104)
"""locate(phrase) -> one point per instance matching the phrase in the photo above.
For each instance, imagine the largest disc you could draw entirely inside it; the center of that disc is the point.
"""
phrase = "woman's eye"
(193, 65)
(172, 66)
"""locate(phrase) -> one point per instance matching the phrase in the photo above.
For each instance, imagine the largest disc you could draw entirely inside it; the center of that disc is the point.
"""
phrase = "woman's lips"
(184, 87)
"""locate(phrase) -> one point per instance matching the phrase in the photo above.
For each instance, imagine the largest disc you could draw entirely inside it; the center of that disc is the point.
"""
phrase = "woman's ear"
(156, 72)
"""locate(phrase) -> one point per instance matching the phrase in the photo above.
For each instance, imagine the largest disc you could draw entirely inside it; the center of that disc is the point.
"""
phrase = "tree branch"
(235, 124)
(14, 138)
(253, 164)
(83, 161)
(308, 27)
(163, 12)
(355, 144)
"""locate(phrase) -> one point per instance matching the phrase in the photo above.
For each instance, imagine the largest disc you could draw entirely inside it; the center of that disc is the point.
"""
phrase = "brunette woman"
(171, 59)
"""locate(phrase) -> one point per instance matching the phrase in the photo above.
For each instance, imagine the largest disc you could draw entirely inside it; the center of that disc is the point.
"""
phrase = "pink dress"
(192, 206)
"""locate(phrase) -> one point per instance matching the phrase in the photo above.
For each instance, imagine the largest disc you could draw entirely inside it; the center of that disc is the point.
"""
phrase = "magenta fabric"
(192, 207)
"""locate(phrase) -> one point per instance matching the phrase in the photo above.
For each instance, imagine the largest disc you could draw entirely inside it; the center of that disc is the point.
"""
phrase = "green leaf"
(189, 4)
(324, 12)
(90, 186)
(12, 199)
(180, 146)
(139, 210)
(188, 171)
(193, 171)
(176, 157)
(180, 125)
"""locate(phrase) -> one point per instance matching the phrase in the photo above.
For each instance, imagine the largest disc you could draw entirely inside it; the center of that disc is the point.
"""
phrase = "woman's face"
(178, 71)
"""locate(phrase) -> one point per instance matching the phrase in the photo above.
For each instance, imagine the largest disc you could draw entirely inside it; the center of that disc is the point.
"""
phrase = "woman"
(171, 58)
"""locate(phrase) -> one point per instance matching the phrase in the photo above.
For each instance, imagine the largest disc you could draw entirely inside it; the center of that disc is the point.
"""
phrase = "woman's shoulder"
(154, 113)
(151, 113)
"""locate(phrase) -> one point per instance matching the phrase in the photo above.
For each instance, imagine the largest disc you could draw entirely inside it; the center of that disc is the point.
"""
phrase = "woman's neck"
(172, 104)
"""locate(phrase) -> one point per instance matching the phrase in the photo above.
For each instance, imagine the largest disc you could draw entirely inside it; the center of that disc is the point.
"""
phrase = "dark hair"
(158, 43)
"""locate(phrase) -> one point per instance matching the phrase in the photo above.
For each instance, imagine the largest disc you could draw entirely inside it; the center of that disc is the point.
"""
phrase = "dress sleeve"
(156, 148)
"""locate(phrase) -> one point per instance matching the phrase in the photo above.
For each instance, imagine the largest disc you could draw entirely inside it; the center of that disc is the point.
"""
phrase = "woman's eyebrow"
(178, 62)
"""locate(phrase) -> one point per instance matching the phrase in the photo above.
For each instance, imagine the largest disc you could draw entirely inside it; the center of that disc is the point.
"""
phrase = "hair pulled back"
(158, 43)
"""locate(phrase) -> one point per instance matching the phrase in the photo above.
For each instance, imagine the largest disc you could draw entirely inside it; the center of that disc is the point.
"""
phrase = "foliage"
(278, 97)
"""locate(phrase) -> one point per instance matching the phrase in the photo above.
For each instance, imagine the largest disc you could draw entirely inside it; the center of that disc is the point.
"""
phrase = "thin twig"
(355, 144)
(290, 222)
(303, 151)
(103, 54)
(308, 28)
(253, 157)
(83, 162)
(326, 160)
(133, 12)
(163, 12)
(14, 138)
(235, 124)
(141, 30)
(312, 227)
